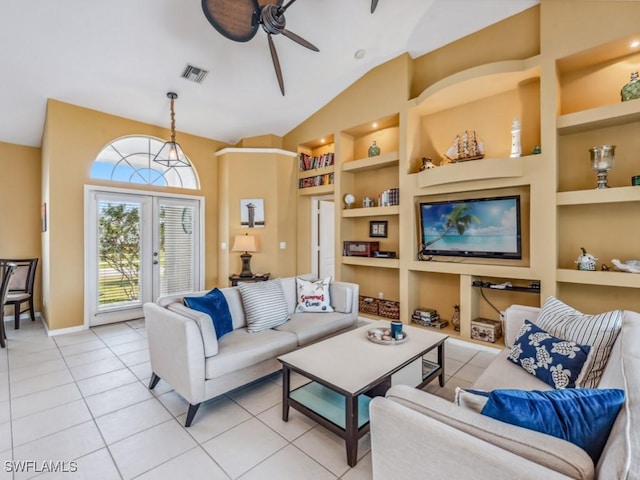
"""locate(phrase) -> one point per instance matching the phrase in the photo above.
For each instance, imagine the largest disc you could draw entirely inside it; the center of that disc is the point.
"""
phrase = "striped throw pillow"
(599, 331)
(264, 305)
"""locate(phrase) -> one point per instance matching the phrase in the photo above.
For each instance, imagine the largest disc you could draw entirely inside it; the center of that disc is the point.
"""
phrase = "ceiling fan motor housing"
(272, 19)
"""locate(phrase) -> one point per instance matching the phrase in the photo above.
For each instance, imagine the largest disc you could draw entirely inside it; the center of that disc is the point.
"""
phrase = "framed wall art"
(252, 213)
(378, 228)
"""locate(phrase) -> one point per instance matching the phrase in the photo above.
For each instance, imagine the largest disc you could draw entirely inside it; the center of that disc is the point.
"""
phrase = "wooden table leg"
(441, 363)
(286, 382)
(351, 426)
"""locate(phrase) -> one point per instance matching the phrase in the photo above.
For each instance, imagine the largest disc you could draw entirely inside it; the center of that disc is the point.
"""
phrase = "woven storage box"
(368, 305)
(389, 309)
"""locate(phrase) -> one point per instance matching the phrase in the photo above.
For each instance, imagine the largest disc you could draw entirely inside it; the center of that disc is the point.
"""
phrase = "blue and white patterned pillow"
(557, 362)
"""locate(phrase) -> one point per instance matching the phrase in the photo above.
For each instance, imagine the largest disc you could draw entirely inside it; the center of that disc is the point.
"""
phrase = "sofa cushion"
(504, 374)
(208, 332)
(599, 331)
(234, 300)
(560, 363)
(583, 417)
(215, 305)
(313, 296)
(264, 305)
(240, 349)
(309, 327)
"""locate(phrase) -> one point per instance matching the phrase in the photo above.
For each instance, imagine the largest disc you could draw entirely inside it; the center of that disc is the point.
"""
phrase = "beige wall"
(74, 136)
(266, 174)
(20, 201)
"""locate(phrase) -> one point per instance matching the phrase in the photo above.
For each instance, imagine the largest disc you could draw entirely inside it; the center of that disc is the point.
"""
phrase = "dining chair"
(21, 287)
(8, 270)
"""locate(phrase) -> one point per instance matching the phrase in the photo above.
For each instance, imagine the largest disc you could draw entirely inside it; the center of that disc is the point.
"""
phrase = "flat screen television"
(478, 227)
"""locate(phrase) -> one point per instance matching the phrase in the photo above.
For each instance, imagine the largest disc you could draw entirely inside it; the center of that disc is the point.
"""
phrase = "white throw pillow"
(264, 305)
(598, 331)
(313, 296)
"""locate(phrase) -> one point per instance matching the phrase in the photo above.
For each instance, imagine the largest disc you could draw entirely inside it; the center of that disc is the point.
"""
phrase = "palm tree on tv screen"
(459, 218)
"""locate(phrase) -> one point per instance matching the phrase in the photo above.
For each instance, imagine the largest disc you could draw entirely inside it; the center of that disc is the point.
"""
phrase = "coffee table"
(347, 370)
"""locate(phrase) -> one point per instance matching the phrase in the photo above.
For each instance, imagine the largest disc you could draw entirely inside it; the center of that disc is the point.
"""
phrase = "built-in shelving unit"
(597, 219)
(577, 106)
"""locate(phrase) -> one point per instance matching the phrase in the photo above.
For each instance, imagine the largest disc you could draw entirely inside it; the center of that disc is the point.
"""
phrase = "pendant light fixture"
(171, 154)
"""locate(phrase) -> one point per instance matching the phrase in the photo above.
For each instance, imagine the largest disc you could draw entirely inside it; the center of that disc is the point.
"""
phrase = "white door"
(139, 247)
(323, 264)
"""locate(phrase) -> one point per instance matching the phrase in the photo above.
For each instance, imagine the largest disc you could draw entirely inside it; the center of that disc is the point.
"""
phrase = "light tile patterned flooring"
(83, 397)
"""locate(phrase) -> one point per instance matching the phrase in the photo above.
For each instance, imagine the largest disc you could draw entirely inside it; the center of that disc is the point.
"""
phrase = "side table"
(258, 277)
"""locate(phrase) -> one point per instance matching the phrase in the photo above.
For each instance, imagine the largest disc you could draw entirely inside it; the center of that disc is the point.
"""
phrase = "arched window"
(130, 159)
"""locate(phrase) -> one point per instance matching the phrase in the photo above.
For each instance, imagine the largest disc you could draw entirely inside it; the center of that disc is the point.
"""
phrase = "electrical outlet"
(380, 295)
(223, 246)
(283, 245)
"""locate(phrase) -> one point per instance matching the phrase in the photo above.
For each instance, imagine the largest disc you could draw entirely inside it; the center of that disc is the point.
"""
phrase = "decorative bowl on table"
(383, 336)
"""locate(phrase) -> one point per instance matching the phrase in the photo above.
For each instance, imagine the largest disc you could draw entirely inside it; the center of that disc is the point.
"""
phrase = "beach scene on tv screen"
(478, 226)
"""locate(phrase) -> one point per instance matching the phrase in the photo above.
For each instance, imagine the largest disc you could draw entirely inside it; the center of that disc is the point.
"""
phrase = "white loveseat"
(417, 435)
(185, 353)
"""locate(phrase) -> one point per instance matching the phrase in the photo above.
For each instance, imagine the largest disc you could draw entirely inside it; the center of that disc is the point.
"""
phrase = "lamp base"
(246, 265)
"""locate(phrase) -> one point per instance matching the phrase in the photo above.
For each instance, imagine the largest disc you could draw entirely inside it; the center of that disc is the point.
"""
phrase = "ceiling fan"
(239, 20)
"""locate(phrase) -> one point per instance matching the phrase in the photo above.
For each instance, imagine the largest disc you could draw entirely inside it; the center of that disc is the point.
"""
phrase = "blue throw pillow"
(559, 363)
(215, 305)
(582, 416)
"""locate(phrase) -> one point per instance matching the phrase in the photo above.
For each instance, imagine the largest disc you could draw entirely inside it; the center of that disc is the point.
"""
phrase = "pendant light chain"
(173, 96)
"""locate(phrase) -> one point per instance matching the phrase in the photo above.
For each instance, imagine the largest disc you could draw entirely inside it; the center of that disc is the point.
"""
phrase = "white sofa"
(185, 353)
(417, 435)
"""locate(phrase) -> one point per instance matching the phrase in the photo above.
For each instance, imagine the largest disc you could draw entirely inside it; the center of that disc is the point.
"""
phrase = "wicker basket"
(368, 305)
(389, 309)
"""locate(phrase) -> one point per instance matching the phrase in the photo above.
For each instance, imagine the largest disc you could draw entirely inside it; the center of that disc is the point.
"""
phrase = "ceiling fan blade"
(276, 63)
(235, 19)
(300, 40)
(374, 4)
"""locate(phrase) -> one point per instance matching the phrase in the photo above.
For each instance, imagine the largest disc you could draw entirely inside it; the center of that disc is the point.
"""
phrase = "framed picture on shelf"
(378, 228)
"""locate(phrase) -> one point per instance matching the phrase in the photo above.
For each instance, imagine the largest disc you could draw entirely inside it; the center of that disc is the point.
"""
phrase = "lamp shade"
(171, 155)
(245, 243)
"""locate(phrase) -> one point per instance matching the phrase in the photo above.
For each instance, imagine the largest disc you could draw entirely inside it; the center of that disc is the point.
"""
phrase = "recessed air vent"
(194, 74)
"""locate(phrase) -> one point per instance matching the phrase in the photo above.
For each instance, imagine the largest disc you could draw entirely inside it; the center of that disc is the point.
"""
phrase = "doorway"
(323, 237)
(138, 246)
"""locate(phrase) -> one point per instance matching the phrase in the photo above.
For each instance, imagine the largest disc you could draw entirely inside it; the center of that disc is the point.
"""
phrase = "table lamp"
(245, 243)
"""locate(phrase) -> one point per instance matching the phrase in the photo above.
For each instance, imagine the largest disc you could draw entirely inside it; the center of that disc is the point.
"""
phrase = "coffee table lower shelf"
(327, 404)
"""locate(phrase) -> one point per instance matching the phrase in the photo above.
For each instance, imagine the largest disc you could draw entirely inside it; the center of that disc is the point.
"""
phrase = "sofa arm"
(344, 297)
(413, 432)
(176, 351)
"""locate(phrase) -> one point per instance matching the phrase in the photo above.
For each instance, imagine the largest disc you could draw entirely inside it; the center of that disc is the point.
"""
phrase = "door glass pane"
(119, 253)
(176, 252)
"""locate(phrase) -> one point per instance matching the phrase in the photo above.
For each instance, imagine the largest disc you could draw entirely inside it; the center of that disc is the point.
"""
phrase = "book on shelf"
(316, 181)
(307, 162)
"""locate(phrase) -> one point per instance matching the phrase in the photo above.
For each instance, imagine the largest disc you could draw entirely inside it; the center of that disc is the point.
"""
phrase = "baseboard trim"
(63, 331)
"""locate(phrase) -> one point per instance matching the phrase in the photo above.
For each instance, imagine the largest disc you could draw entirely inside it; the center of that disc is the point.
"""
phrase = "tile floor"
(83, 398)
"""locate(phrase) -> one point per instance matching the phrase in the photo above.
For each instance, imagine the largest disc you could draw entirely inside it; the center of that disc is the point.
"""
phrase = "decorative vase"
(374, 150)
(455, 318)
(631, 90)
(602, 160)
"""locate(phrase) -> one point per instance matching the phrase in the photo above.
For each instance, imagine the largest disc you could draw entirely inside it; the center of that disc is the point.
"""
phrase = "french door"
(138, 247)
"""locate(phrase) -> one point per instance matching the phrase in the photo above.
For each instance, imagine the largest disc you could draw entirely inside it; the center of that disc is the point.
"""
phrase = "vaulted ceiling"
(122, 56)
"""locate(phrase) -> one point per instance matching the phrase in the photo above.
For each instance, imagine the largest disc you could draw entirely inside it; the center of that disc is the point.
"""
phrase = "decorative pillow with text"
(313, 296)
